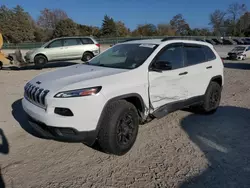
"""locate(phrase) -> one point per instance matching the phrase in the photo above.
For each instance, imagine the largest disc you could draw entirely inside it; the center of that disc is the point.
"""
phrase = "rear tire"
(40, 61)
(1, 65)
(87, 56)
(212, 98)
(119, 128)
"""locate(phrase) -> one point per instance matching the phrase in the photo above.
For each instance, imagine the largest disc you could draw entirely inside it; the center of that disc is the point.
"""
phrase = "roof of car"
(73, 37)
(160, 41)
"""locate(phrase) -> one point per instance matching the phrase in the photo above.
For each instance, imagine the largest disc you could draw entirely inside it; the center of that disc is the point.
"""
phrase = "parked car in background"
(239, 41)
(210, 41)
(239, 53)
(246, 41)
(66, 48)
(228, 42)
(218, 41)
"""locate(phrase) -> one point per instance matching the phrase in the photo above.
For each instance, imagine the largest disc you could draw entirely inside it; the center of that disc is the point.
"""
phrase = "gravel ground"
(179, 150)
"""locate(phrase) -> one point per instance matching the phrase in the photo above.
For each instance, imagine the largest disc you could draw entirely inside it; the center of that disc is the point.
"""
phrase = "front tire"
(40, 61)
(1, 65)
(119, 128)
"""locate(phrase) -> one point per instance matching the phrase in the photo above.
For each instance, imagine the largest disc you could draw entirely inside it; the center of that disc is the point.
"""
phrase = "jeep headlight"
(79, 92)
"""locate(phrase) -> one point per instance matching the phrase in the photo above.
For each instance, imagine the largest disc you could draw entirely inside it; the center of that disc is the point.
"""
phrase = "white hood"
(63, 77)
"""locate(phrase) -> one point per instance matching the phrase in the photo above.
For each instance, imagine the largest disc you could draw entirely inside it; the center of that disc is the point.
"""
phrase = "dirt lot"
(180, 150)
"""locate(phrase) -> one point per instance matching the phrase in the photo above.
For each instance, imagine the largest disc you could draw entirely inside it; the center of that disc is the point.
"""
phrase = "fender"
(126, 96)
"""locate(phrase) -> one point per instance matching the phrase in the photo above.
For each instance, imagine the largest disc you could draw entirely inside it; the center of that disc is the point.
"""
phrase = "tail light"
(98, 45)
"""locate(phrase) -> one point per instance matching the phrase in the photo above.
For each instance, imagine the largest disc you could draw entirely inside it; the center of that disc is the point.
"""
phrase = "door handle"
(183, 73)
(209, 67)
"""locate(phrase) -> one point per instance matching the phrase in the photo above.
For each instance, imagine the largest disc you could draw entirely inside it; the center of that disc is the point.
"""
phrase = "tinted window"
(87, 41)
(194, 54)
(248, 48)
(209, 53)
(71, 42)
(172, 54)
(57, 43)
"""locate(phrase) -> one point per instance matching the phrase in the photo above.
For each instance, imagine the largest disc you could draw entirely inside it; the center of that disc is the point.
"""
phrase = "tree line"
(17, 25)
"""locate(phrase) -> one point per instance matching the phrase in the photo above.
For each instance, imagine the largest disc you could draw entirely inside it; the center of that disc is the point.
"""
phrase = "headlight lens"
(79, 92)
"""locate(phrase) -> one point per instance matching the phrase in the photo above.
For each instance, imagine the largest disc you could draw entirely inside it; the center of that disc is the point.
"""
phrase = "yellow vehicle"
(11, 58)
(4, 60)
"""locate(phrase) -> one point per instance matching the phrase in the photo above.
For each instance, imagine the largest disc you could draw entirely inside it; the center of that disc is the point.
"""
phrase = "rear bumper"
(62, 133)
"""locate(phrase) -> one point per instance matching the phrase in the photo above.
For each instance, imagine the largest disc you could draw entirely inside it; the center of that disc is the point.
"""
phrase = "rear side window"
(209, 53)
(194, 54)
(87, 41)
(71, 42)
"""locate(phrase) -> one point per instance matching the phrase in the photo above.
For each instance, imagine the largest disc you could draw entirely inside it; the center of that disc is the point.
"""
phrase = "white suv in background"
(129, 84)
(66, 48)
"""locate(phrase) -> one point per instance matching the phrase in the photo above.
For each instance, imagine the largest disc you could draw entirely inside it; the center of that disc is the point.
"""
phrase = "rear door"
(168, 86)
(200, 64)
(73, 48)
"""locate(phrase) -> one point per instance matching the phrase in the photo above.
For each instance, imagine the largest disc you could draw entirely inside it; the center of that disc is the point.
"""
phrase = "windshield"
(239, 49)
(124, 56)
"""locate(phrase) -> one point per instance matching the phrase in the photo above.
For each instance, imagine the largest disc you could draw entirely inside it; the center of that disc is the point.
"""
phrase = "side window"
(87, 41)
(248, 48)
(55, 44)
(194, 54)
(172, 54)
(209, 53)
(71, 42)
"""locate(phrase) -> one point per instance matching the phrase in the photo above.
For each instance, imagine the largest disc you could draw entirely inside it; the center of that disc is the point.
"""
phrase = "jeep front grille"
(35, 95)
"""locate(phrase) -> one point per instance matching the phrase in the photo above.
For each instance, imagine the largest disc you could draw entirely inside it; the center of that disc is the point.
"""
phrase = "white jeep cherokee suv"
(106, 99)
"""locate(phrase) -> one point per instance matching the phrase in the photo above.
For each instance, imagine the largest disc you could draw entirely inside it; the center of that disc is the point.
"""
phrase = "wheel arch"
(134, 98)
(89, 52)
(217, 79)
(40, 54)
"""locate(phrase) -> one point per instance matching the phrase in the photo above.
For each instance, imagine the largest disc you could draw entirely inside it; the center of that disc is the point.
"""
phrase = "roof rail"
(181, 38)
(135, 39)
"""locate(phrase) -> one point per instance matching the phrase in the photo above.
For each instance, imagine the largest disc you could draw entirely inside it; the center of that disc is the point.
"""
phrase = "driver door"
(168, 86)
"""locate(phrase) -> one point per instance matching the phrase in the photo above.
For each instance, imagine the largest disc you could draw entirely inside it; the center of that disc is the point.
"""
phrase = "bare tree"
(235, 11)
(179, 24)
(217, 19)
(165, 30)
(49, 18)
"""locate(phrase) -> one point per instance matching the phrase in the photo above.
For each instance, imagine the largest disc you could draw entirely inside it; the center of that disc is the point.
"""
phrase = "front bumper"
(235, 56)
(28, 59)
(63, 134)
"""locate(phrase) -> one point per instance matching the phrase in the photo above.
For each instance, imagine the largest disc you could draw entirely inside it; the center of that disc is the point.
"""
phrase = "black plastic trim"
(174, 106)
(119, 98)
(56, 133)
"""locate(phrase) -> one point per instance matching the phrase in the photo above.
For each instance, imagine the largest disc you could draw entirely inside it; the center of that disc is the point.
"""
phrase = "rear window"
(87, 41)
(194, 54)
(209, 53)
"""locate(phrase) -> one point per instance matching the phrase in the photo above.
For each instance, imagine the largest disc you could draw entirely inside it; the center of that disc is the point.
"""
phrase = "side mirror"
(160, 66)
